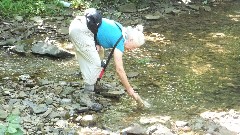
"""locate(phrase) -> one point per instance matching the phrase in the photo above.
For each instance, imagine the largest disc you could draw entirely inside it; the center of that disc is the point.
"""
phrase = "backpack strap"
(110, 55)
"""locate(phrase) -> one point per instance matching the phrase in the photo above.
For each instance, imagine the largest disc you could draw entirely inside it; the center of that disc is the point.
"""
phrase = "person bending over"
(108, 32)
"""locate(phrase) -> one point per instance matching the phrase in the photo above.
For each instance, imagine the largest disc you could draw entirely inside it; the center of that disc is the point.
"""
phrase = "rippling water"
(187, 67)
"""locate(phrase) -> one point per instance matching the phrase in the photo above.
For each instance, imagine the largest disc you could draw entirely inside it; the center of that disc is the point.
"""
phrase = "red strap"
(101, 74)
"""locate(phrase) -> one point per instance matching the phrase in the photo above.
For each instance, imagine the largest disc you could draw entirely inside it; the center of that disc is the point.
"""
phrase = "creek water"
(188, 65)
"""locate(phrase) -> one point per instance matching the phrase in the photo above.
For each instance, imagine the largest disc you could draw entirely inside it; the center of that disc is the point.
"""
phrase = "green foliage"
(80, 4)
(9, 8)
(29, 7)
(12, 127)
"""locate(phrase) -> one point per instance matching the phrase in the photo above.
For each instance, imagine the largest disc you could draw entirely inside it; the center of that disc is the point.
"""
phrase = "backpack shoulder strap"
(110, 56)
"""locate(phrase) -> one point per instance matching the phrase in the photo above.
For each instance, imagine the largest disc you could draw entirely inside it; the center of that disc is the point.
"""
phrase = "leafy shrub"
(29, 7)
(12, 127)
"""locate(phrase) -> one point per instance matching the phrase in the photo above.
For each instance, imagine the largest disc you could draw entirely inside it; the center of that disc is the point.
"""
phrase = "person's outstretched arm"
(123, 77)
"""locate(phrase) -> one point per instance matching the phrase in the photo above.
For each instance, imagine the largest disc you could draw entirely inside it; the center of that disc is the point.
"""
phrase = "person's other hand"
(140, 102)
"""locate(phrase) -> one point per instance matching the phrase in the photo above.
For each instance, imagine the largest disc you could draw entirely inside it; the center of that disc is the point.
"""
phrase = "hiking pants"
(85, 49)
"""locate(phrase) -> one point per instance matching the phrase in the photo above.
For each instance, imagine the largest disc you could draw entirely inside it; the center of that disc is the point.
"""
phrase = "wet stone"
(61, 123)
(96, 107)
(88, 120)
(132, 74)
(159, 129)
(3, 114)
(82, 109)
(181, 123)
(40, 108)
(22, 95)
(114, 93)
(24, 77)
(18, 18)
(136, 129)
(48, 101)
(66, 101)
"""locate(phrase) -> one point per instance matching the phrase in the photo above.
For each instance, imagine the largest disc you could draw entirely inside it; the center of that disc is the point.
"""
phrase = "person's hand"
(142, 103)
(98, 47)
(138, 99)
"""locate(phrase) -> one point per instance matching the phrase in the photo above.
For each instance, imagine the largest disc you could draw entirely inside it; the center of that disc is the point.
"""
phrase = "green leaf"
(19, 132)
(3, 129)
(11, 130)
(14, 125)
(14, 119)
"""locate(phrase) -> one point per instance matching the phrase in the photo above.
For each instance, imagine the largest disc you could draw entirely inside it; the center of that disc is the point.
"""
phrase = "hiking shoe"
(98, 88)
(88, 88)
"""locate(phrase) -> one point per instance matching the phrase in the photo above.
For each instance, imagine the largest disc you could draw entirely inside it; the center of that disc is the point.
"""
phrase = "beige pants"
(86, 53)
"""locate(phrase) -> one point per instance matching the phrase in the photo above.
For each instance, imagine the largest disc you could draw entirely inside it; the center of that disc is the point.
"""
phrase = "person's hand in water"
(140, 102)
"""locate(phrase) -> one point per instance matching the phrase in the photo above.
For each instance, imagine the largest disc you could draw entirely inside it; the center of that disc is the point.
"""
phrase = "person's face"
(130, 45)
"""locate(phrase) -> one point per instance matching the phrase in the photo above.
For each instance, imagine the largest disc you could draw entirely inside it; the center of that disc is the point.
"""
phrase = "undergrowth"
(28, 8)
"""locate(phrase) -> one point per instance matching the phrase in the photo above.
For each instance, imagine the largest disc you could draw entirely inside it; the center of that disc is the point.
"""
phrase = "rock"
(113, 93)
(45, 82)
(157, 15)
(13, 101)
(96, 107)
(159, 129)
(19, 49)
(47, 112)
(82, 109)
(48, 101)
(63, 30)
(43, 48)
(8, 42)
(136, 129)
(67, 91)
(181, 123)
(207, 8)
(88, 120)
(63, 83)
(194, 7)
(65, 4)
(66, 101)
(78, 119)
(62, 124)
(152, 17)
(18, 18)
(40, 108)
(54, 114)
(24, 77)
(229, 120)
(28, 103)
(132, 74)
(37, 19)
(30, 83)
(7, 92)
(128, 8)
(22, 95)
(3, 114)
(168, 10)
(75, 84)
